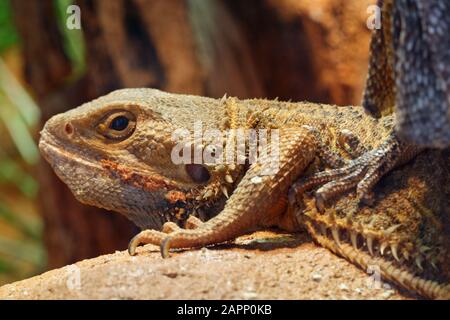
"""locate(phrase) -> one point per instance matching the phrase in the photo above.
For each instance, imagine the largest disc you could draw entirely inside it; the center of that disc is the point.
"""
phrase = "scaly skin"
(405, 232)
(409, 70)
(131, 171)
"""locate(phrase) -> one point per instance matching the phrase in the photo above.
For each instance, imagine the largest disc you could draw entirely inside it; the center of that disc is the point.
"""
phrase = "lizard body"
(127, 166)
(409, 70)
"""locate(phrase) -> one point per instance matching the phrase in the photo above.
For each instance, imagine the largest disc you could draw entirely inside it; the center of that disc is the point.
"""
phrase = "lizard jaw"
(144, 208)
(54, 154)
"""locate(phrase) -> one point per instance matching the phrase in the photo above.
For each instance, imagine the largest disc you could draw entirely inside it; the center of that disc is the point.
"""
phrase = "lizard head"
(117, 153)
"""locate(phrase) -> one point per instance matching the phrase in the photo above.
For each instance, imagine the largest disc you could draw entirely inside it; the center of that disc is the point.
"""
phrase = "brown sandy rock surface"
(263, 265)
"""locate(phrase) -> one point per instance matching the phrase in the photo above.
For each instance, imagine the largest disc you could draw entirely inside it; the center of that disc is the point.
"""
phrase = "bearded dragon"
(122, 152)
(409, 70)
(409, 75)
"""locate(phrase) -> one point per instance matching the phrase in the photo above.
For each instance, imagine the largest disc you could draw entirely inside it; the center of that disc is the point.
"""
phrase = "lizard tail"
(388, 270)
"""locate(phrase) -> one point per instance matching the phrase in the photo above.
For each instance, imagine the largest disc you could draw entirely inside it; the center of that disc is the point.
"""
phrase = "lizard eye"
(117, 125)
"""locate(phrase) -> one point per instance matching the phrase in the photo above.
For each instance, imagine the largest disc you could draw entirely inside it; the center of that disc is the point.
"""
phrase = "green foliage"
(19, 113)
(12, 173)
(8, 34)
(21, 251)
(72, 39)
(20, 258)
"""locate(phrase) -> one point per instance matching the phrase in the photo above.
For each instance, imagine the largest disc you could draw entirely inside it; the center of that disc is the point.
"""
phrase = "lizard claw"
(133, 244)
(149, 236)
(163, 239)
(165, 247)
(320, 203)
(292, 196)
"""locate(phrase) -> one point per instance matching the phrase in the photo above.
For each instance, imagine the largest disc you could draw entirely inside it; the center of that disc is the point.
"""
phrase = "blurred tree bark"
(242, 48)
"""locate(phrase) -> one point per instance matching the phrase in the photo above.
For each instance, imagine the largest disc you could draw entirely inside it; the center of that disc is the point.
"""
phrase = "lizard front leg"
(363, 172)
(250, 205)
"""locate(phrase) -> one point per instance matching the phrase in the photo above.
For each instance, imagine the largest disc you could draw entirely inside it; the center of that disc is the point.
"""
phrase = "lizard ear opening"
(198, 173)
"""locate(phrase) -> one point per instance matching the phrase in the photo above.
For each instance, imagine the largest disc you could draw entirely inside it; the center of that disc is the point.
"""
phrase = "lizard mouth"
(73, 168)
(55, 154)
(58, 151)
(138, 196)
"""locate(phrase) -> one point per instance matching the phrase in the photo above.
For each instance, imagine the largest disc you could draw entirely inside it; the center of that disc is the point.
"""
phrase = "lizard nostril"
(68, 129)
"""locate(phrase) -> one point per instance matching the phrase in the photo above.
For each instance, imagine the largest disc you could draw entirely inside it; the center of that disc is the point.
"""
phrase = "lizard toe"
(170, 227)
(165, 247)
(133, 244)
(145, 237)
(193, 222)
